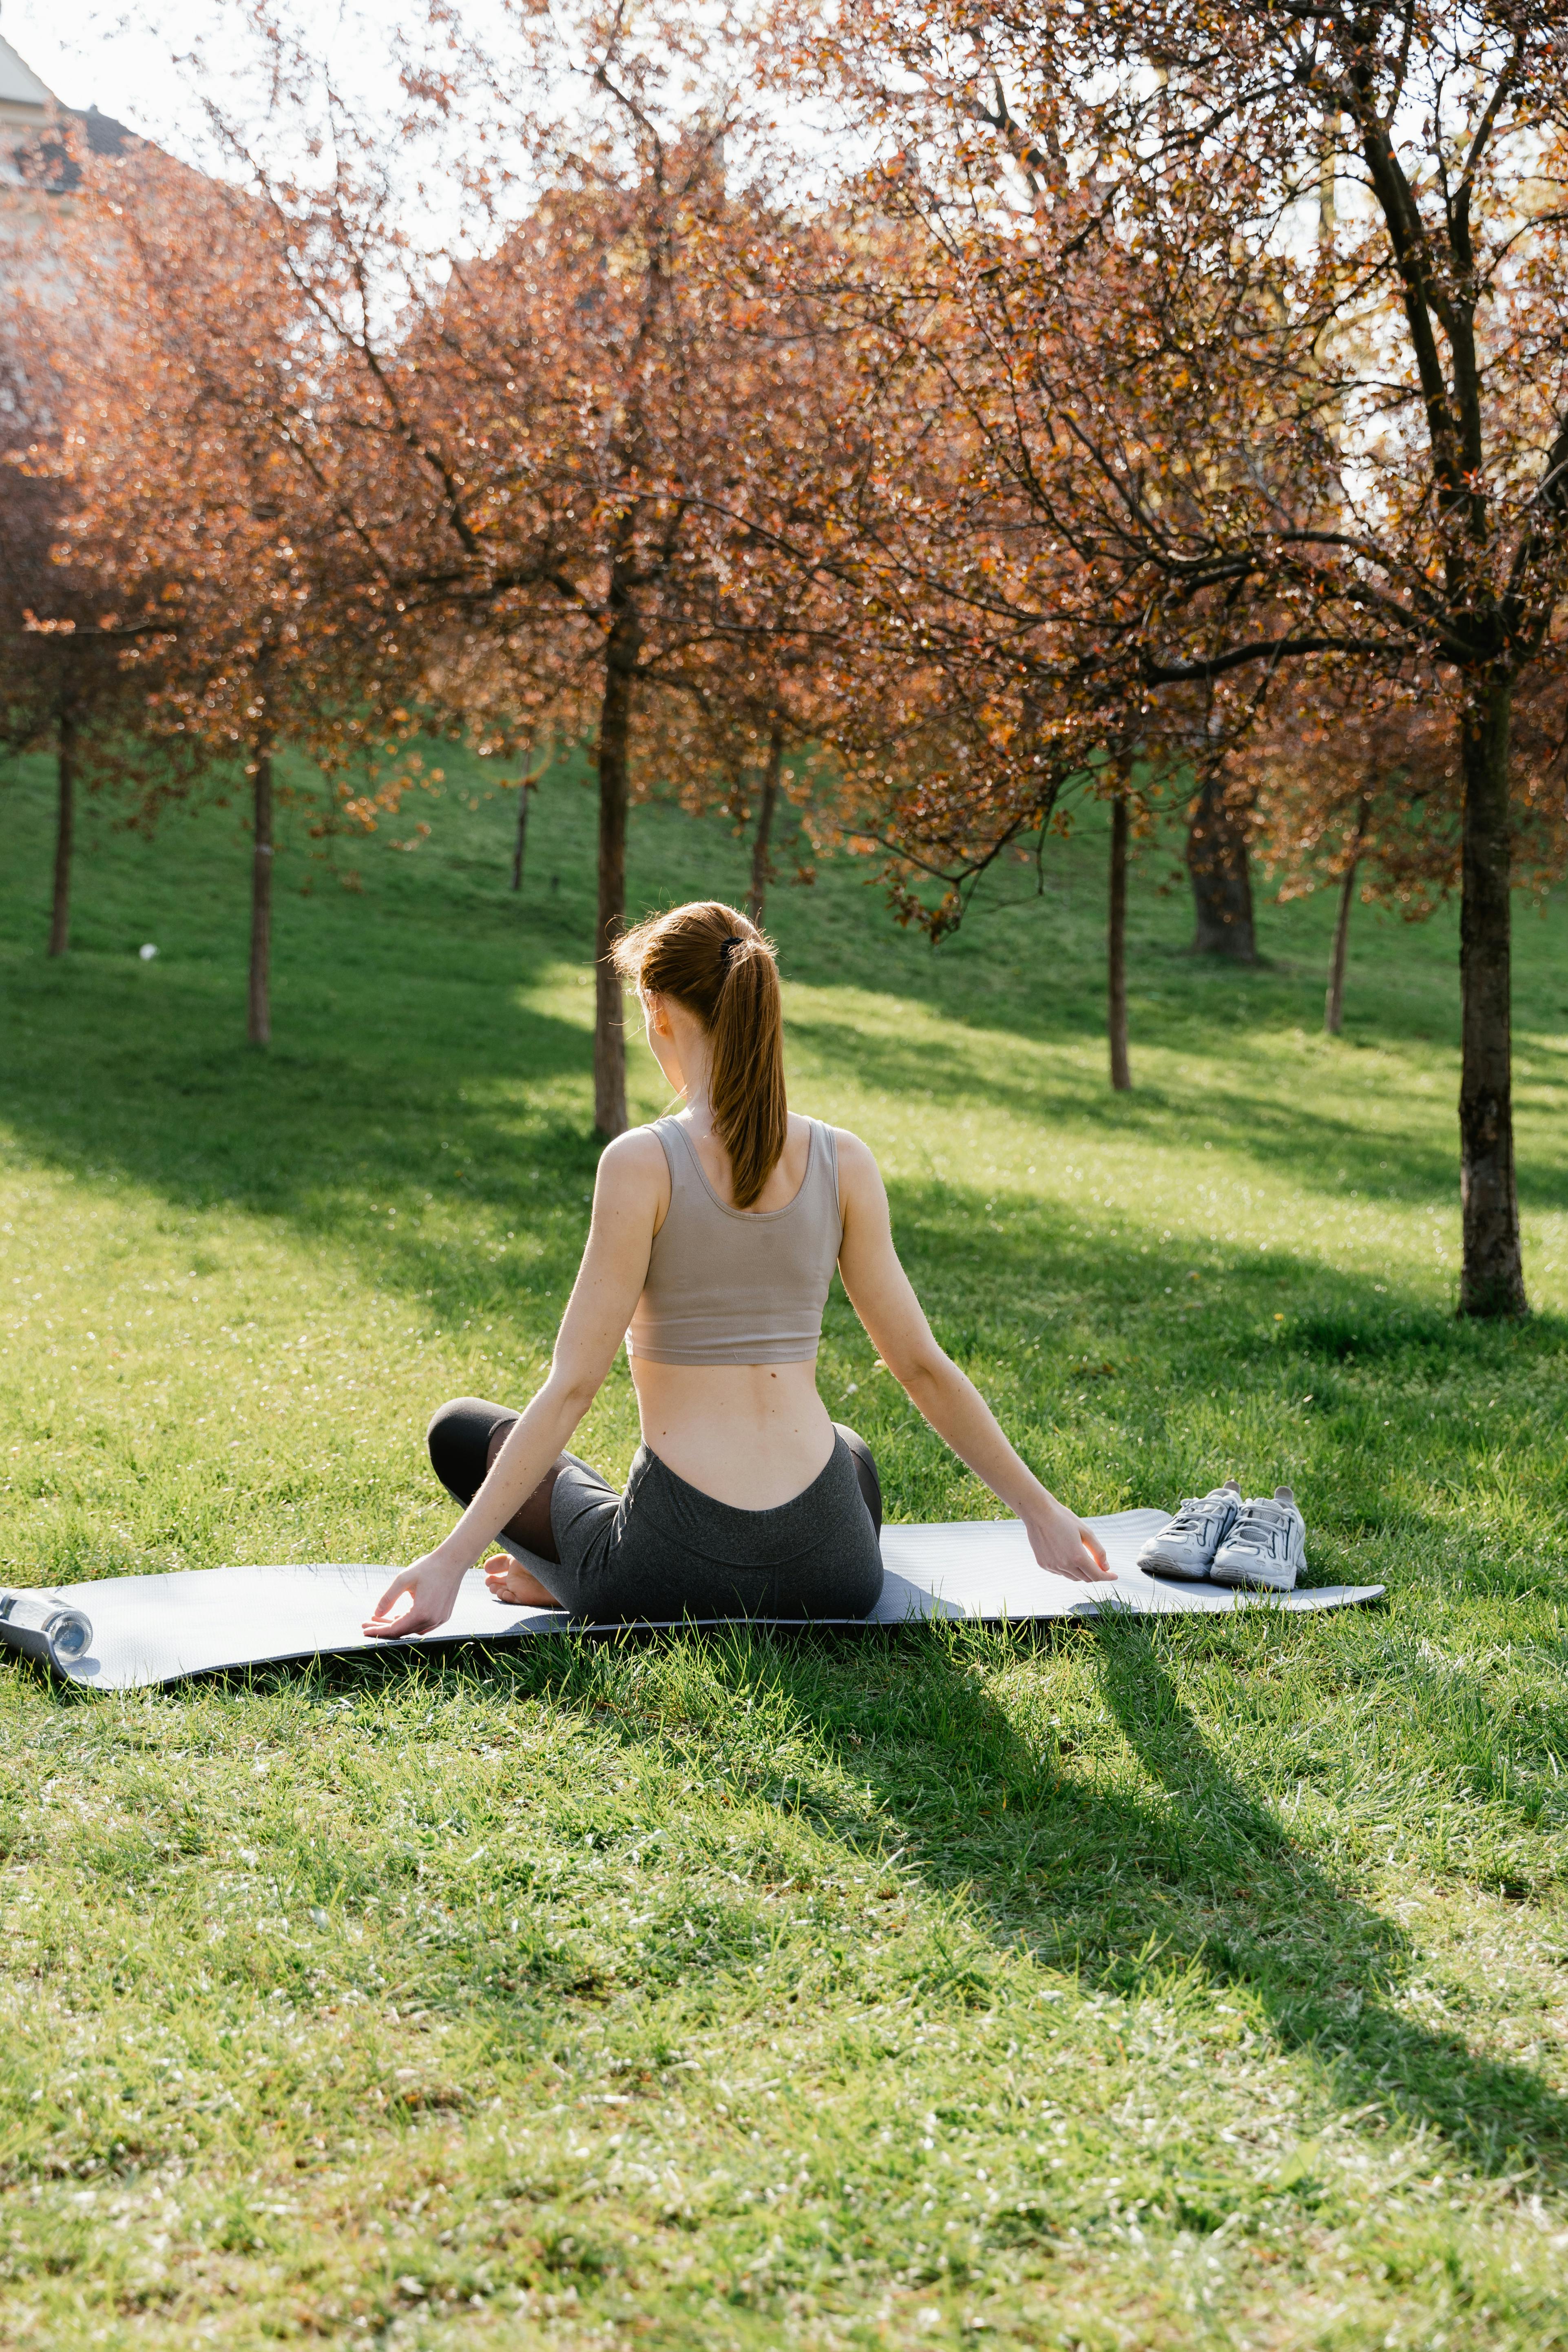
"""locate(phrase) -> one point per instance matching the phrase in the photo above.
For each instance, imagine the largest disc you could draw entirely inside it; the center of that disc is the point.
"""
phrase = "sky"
(136, 63)
(148, 66)
(150, 69)
(108, 58)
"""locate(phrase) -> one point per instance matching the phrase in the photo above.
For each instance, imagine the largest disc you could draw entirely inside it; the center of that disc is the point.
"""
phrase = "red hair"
(721, 969)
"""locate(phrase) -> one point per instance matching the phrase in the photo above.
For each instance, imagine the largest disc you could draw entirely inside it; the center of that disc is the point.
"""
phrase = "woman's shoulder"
(634, 1159)
(845, 1137)
(854, 1156)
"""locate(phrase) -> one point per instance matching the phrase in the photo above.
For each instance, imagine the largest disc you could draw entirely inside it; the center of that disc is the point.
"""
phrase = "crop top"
(738, 1286)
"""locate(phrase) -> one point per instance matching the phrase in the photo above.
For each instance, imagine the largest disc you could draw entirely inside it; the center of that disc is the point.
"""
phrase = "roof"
(104, 135)
(19, 85)
(30, 107)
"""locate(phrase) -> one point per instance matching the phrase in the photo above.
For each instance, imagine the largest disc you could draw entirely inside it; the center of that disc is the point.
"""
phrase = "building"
(41, 144)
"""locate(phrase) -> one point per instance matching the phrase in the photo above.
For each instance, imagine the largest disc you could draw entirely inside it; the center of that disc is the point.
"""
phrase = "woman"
(714, 1236)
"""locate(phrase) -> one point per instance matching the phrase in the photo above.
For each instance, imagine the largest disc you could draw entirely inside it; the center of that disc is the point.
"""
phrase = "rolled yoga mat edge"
(148, 1630)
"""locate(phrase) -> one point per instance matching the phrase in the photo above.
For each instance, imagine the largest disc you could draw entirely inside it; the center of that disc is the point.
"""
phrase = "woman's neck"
(699, 1110)
(696, 1073)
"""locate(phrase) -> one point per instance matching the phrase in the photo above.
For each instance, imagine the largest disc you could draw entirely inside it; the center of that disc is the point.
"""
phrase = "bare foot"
(509, 1581)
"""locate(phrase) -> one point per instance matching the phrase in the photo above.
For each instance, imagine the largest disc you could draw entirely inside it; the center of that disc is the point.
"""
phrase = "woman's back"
(785, 1179)
(734, 1286)
(723, 1342)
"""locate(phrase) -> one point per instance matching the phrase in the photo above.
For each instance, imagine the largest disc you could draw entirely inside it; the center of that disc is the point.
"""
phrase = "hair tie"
(727, 949)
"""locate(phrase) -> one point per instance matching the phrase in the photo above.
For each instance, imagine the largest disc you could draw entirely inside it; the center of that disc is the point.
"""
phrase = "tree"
(1221, 873)
(1116, 947)
(767, 808)
(52, 669)
(1276, 432)
(67, 683)
(1334, 996)
(955, 691)
(527, 785)
(192, 501)
(570, 462)
(533, 476)
(1356, 781)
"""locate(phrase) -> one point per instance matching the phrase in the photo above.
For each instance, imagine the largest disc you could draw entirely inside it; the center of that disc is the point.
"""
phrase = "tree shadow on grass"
(402, 1031)
(397, 1003)
(366, 1134)
(1194, 1867)
(1119, 1870)
(1325, 1965)
(409, 1138)
(1122, 1872)
(1322, 1142)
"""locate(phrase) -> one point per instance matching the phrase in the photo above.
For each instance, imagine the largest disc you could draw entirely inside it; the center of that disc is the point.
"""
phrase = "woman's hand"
(1063, 1546)
(416, 1601)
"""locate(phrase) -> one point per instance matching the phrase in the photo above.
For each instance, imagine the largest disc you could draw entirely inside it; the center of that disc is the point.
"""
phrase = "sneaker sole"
(1169, 1568)
(1247, 1580)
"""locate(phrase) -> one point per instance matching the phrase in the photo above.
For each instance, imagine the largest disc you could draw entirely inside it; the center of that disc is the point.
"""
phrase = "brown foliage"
(569, 474)
(1248, 326)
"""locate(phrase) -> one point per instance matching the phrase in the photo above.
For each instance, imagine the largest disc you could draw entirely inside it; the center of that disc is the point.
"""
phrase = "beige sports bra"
(738, 1285)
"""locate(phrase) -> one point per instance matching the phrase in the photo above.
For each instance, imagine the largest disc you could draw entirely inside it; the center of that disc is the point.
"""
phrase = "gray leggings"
(664, 1550)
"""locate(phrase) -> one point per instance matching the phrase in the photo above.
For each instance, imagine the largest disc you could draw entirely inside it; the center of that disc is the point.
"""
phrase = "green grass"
(1205, 1986)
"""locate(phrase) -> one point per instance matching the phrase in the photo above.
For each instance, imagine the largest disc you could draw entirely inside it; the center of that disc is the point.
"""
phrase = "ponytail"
(746, 1090)
(719, 966)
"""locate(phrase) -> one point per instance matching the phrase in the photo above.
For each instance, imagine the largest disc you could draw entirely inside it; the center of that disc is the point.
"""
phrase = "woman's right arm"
(627, 1197)
(883, 1297)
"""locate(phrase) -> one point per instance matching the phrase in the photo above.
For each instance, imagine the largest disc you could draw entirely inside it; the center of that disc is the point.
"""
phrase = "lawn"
(1198, 1986)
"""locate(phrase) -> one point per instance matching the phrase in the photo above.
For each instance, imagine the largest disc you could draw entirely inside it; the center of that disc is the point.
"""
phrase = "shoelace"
(1193, 1515)
(1257, 1530)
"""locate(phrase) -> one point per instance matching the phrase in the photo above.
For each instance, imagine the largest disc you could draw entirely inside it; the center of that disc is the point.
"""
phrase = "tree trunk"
(1492, 1279)
(524, 791)
(614, 727)
(1326, 207)
(761, 863)
(259, 1026)
(1116, 950)
(1334, 1003)
(1221, 878)
(65, 830)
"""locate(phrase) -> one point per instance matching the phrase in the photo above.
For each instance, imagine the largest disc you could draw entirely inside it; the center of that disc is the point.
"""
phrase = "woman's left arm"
(882, 1296)
(608, 1286)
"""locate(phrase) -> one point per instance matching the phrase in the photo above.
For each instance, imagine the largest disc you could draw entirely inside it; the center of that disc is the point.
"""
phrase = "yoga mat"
(125, 1633)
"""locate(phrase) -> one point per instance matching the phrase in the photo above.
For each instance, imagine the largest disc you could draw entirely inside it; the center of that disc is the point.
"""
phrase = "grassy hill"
(1202, 1986)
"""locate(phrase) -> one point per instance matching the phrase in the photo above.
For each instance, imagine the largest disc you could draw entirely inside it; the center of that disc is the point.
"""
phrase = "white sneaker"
(1187, 1546)
(1266, 1546)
